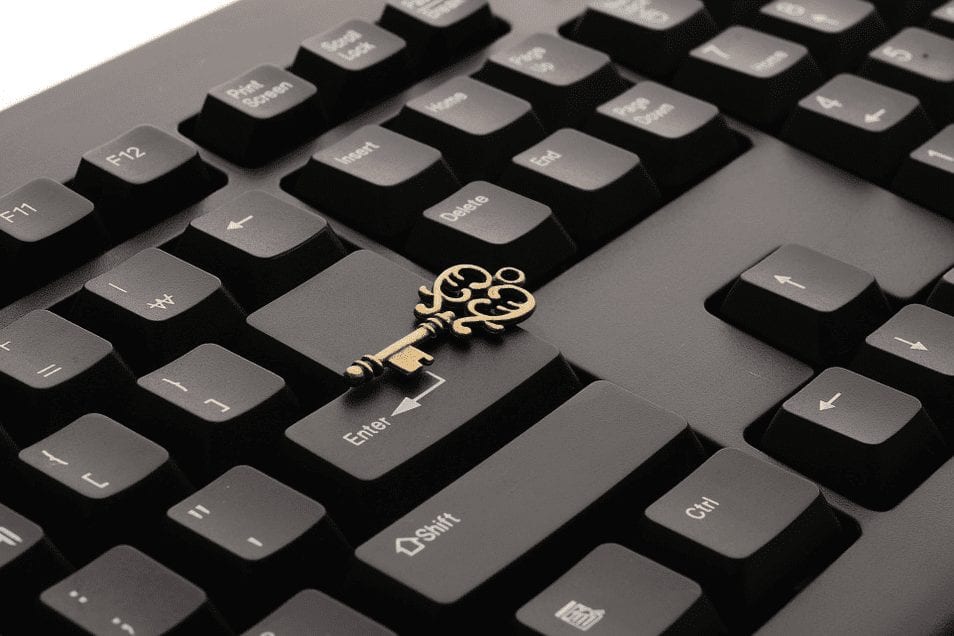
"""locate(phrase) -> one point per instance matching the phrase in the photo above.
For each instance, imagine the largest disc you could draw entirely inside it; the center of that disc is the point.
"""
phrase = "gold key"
(462, 297)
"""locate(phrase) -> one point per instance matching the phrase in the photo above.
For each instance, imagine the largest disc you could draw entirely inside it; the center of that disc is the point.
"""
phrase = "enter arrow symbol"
(411, 403)
(934, 154)
(239, 225)
(787, 280)
(830, 404)
(916, 346)
(873, 118)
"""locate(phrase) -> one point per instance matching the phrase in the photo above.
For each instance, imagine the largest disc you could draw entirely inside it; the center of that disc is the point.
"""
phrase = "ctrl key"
(745, 529)
(622, 592)
(126, 592)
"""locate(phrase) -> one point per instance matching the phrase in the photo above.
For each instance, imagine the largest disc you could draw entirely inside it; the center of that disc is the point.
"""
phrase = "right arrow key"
(914, 352)
(813, 306)
(858, 436)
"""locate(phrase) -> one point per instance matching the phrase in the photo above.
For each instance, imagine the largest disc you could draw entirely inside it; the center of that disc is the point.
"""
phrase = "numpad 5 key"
(661, 294)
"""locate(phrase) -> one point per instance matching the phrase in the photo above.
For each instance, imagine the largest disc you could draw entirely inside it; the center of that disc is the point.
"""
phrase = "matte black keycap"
(141, 176)
(259, 115)
(155, 307)
(45, 228)
(680, 138)
(126, 592)
(376, 180)
(749, 74)
(860, 437)
(942, 20)
(917, 62)
(28, 564)
(942, 296)
(259, 540)
(859, 125)
(438, 29)
(806, 303)
(617, 592)
(914, 352)
(52, 371)
(477, 127)
(260, 246)
(927, 174)
(489, 226)
(741, 527)
(594, 188)
(352, 63)
(563, 80)
(387, 448)
(312, 612)
(213, 409)
(649, 37)
(97, 482)
(838, 33)
(513, 521)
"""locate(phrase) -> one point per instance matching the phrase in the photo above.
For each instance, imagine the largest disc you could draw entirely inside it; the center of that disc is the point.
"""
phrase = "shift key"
(527, 513)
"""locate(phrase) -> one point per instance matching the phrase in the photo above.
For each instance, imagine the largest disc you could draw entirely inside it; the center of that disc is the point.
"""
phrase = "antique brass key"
(463, 296)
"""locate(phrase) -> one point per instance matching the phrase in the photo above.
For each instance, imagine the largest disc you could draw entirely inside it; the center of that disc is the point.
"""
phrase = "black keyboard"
(731, 413)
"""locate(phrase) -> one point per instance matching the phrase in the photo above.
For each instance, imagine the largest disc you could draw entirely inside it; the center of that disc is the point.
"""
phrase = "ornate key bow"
(463, 297)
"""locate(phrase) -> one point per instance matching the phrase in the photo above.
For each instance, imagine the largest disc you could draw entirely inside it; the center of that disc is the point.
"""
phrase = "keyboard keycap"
(858, 125)
(808, 304)
(594, 188)
(507, 525)
(259, 540)
(311, 612)
(126, 592)
(491, 227)
(155, 307)
(920, 63)
(927, 174)
(752, 75)
(680, 138)
(914, 352)
(260, 246)
(386, 449)
(477, 127)
(743, 528)
(214, 409)
(942, 296)
(860, 437)
(52, 371)
(45, 228)
(942, 20)
(838, 33)
(140, 177)
(28, 564)
(376, 180)
(436, 31)
(649, 37)
(563, 80)
(101, 477)
(616, 591)
(352, 63)
(259, 115)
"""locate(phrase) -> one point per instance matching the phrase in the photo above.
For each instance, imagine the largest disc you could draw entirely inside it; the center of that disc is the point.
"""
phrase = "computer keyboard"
(730, 413)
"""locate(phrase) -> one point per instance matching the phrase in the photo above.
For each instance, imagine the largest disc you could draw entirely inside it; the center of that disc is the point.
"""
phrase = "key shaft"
(373, 365)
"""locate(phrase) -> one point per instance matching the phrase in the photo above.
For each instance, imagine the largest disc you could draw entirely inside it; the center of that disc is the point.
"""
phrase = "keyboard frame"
(897, 576)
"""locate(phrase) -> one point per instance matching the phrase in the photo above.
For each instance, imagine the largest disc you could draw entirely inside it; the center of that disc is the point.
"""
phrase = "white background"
(47, 41)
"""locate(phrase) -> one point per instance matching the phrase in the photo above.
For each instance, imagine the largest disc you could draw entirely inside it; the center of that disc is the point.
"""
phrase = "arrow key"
(260, 246)
(927, 174)
(914, 352)
(859, 125)
(808, 304)
(858, 436)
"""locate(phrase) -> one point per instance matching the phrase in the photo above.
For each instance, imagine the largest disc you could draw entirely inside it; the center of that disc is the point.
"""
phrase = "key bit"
(462, 297)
